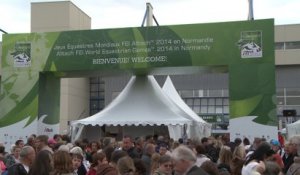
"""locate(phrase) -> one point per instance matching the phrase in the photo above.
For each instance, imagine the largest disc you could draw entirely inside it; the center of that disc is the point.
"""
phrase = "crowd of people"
(150, 155)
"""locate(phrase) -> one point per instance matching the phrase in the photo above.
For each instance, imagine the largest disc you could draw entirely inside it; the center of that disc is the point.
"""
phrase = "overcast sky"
(15, 14)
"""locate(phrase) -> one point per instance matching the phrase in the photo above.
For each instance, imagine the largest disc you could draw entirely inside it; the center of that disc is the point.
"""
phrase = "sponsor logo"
(250, 44)
(22, 55)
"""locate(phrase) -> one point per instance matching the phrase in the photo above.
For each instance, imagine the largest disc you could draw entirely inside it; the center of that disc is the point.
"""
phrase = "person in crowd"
(184, 160)
(165, 166)
(201, 155)
(19, 143)
(238, 160)
(65, 139)
(95, 146)
(212, 147)
(57, 138)
(154, 162)
(52, 144)
(99, 159)
(275, 145)
(108, 152)
(236, 165)
(62, 163)
(255, 162)
(163, 149)
(106, 142)
(288, 156)
(257, 141)
(128, 146)
(138, 146)
(77, 161)
(140, 168)
(2, 155)
(43, 164)
(30, 141)
(210, 167)
(27, 156)
(246, 143)
(149, 139)
(175, 144)
(13, 158)
(41, 143)
(294, 169)
(272, 168)
(111, 168)
(225, 156)
(125, 166)
(146, 157)
(239, 152)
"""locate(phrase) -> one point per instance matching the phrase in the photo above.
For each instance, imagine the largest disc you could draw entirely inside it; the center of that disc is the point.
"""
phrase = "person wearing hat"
(52, 143)
(275, 145)
(279, 152)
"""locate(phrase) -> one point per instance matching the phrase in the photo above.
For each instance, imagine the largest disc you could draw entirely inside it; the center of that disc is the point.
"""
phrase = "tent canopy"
(293, 129)
(199, 127)
(142, 102)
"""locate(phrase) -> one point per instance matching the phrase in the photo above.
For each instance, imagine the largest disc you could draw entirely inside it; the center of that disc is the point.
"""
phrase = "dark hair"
(116, 155)
(41, 164)
(66, 138)
(262, 151)
(18, 142)
(210, 167)
(56, 136)
(140, 167)
(96, 157)
(148, 137)
(108, 152)
(204, 139)
(2, 149)
(237, 141)
(200, 149)
(246, 141)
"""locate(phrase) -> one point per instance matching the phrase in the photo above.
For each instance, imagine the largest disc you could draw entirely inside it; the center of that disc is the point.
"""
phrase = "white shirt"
(250, 168)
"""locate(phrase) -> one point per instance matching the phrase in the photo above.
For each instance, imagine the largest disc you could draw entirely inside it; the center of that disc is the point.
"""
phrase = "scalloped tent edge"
(142, 102)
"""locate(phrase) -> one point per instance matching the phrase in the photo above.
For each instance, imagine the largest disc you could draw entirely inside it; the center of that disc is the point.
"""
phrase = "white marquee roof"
(199, 128)
(142, 102)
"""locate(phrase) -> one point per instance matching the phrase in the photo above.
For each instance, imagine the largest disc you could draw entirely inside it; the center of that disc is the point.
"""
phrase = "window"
(279, 46)
(292, 91)
(292, 45)
(97, 87)
(293, 101)
(287, 45)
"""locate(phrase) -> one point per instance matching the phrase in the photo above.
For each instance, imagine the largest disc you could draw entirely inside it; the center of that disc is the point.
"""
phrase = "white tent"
(142, 102)
(199, 128)
(293, 129)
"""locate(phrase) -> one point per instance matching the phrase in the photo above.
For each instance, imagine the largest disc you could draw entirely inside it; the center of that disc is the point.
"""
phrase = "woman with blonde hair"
(125, 166)
(238, 160)
(154, 162)
(225, 156)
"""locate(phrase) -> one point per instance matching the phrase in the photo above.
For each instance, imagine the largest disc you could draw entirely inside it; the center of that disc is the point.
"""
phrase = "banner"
(245, 48)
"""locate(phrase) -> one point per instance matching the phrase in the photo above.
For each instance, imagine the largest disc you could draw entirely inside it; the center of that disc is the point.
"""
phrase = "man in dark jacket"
(27, 156)
(184, 160)
(128, 146)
